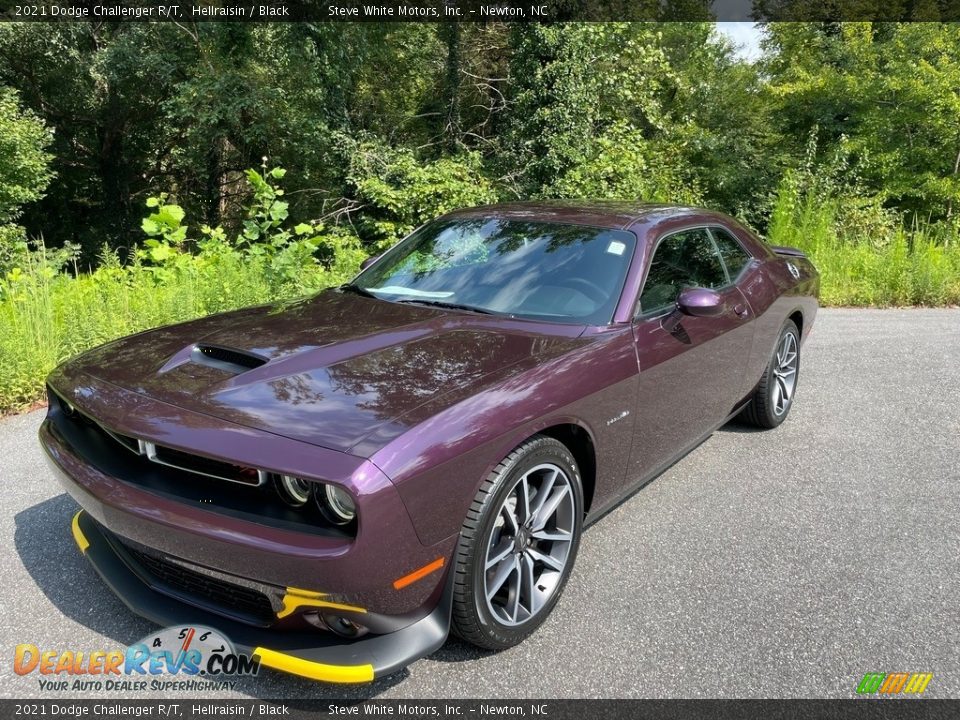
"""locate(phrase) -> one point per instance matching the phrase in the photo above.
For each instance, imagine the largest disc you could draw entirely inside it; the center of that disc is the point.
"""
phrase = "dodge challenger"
(336, 483)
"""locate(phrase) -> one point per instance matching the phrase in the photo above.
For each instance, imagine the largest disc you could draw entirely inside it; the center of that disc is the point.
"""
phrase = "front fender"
(439, 465)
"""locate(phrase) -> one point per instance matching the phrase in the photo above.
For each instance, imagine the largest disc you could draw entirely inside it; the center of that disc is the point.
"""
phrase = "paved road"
(764, 564)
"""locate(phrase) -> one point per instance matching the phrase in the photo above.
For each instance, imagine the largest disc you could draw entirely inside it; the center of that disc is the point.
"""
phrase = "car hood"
(328, 370)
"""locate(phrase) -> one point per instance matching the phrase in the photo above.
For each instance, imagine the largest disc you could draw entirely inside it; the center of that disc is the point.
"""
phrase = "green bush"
(47, 315)
(24, 172)
(24, 160)
(864, 257)
(623, 165)
(398, 192)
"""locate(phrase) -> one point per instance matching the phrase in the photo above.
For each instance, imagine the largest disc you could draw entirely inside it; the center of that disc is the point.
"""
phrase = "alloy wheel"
(785, 373)
(529, 544)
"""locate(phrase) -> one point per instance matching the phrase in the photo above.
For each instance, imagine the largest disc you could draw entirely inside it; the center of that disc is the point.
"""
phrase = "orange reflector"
(401, 583)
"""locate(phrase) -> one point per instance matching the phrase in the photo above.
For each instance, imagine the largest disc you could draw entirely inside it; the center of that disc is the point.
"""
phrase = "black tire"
(763, 411)
(473, 619)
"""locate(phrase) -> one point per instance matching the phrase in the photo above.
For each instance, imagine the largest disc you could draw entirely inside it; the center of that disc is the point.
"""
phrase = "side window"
(733, 254)
(684, 259)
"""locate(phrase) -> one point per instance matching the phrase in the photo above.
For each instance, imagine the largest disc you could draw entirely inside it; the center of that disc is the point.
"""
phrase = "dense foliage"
(127, 148)
(180, 272)
(24, 171)
(381, 125)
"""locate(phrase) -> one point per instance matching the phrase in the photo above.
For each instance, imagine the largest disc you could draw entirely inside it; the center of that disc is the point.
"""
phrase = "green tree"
(886, 95)
(24, 160)
(722, 122)
(100, 86)
(572, 84)
(400, 191)
(24, 171)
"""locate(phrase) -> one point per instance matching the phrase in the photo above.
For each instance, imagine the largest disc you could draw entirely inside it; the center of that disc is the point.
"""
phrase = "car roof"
(619, 214)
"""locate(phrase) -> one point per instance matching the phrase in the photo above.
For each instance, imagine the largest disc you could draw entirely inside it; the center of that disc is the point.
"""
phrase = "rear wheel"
(518, 545)
(773, 397)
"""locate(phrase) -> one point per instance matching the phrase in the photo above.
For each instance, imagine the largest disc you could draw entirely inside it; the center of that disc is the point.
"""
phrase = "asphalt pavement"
(784, 563)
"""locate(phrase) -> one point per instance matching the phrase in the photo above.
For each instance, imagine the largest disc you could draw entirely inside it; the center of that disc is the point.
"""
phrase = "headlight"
(336, 504)
(293, 490)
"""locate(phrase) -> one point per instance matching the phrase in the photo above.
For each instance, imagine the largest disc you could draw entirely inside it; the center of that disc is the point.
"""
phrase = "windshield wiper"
(447, 305)
(356, 289)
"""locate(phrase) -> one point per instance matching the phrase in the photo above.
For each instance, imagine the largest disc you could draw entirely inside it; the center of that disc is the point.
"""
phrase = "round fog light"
(337, 504)
(293, 490)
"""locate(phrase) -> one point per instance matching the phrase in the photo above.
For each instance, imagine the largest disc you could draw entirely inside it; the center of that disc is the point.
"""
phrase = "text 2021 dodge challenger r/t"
(336, 482)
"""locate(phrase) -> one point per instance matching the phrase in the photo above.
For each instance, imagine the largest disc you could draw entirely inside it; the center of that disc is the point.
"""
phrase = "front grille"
(131, 444)
(198, 480)
(189, 462)
(204, 466)
(216, 595)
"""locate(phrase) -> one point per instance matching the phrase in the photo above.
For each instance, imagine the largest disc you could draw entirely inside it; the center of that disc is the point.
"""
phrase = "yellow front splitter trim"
(278, 660)
(314, 670)
(78, 535)
(296, 598)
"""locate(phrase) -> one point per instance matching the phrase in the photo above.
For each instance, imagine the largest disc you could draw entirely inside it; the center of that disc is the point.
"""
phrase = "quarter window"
(733, 254)
(684, 259)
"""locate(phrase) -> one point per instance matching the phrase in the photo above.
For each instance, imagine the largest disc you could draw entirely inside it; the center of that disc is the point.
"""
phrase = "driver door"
(691, 368)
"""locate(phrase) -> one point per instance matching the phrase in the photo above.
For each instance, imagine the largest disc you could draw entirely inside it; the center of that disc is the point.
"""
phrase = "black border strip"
(482, 11)
(193, 708)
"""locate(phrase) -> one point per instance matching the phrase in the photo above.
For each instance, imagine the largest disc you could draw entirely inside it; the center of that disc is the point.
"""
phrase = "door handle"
(741, 310)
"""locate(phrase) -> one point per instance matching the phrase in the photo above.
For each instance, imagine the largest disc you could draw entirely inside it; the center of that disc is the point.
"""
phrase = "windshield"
(546, 271)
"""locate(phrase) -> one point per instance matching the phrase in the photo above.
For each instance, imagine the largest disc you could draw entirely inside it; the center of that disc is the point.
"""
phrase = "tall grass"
(880, 264)
(47, 316)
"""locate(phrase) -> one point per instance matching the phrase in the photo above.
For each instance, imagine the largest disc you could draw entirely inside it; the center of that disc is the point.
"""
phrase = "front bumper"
(315, 655)
(291, 579)
(128, 501)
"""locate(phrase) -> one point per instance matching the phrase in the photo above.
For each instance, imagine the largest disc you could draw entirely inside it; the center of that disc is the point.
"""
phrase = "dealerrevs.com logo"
(894, 683)
(201, 657)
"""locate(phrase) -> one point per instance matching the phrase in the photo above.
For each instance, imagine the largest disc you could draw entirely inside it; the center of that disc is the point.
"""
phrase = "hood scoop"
(226, 359)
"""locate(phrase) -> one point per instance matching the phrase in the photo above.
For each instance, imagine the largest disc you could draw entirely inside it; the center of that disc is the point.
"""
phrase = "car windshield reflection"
(548, 271)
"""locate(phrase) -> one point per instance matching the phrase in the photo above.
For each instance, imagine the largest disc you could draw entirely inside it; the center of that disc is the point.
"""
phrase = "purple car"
(334, 483)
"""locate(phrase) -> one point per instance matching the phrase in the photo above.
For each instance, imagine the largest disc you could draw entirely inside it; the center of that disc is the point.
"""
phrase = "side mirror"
(368, 262)
(700, 302)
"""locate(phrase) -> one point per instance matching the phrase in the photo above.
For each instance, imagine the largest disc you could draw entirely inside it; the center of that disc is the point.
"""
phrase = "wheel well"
(797, 318)
(580, 445)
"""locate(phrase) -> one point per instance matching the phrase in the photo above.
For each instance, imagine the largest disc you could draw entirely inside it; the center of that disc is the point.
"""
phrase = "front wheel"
(773, 397)
(518, 545)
